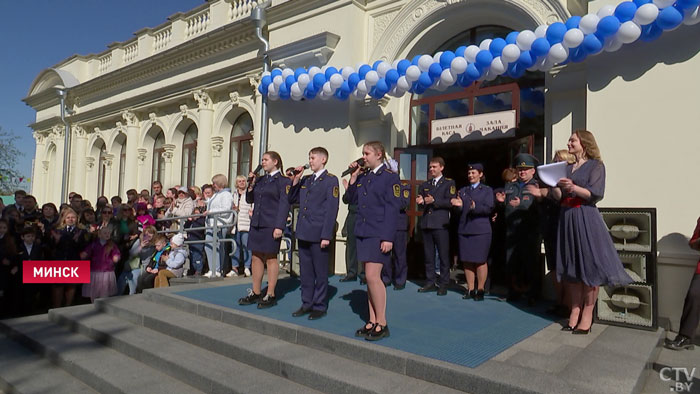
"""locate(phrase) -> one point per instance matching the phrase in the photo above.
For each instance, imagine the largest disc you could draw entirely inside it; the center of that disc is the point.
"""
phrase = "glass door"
(413, 170)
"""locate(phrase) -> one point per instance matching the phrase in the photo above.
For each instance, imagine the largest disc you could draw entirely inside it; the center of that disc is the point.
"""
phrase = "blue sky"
(37, 34)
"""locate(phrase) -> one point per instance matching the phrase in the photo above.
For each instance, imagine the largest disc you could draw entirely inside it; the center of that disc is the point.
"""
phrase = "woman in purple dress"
(586, 257)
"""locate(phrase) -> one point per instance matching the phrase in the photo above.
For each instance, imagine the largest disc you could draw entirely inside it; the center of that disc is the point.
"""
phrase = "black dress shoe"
(680, 343)
(399, 287)
(301, 312)
(267, 302)
(348, 278)
(469, 294)
(315, 315)
(568, 328)
(362, 332)
(250, 299)
(577, 331)
(375, 335)
(442, 291)
(479, 296)
(428, 288)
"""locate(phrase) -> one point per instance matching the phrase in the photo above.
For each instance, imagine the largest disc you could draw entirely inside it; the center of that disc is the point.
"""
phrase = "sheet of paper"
(551, 173)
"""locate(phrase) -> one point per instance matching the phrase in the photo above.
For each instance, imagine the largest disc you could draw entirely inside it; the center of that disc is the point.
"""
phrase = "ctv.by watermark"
(681, 377)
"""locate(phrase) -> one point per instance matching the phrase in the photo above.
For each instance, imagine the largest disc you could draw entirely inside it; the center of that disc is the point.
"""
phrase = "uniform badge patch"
(397, 191)
(453, 190)
(335, 191)
(406, 193)
(287, 189)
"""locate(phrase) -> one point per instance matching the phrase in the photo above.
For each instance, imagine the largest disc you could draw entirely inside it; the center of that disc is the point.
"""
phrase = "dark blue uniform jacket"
(437, 214)
(318, 206)
(271, 198)
(477, 220)
(378, 199)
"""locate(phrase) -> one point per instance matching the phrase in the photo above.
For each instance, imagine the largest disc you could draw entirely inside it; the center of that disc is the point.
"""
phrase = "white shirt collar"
(319, 173)
(273, 172)
(376, 170)
(28, 246)
(436, 180)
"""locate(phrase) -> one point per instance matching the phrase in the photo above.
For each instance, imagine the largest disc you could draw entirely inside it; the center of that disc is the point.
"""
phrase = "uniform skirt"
(474, 248)
(369, 250)
(260, 240)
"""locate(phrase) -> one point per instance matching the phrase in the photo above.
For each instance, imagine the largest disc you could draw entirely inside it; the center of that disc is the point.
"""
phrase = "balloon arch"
(549, 45)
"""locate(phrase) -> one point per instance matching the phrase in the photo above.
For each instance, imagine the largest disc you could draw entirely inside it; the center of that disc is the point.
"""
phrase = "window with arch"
(189, 155)
(158, 168)
(122, 169)
(101, 170)
(241, 146)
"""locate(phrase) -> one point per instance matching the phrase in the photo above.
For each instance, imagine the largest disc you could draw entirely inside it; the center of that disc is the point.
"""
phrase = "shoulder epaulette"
(448, 179)
(389, 171)
(333, 175)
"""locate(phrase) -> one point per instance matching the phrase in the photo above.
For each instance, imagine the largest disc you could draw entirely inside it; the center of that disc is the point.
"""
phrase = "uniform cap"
(525, 160)
(476, 166)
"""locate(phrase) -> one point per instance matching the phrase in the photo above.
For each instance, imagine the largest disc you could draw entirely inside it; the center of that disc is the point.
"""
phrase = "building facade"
(178, 103)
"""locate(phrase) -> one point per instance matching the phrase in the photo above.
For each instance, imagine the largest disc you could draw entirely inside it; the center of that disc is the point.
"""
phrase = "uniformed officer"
(317, 195)
(377, 193)
(434, 198)
(476, 202)
(397, 271)
(522, 230)
(271, 197)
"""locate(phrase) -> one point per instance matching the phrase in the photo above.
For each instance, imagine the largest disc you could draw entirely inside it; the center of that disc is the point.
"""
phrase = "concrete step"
(101, 368)
(200, 368)
(23, 371)
(317, 369)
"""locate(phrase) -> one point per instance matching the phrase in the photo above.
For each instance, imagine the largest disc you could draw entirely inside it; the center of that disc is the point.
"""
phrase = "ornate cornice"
(203, 99)
(130, 118)
(79, 131)
(57, 131)
(39, 137)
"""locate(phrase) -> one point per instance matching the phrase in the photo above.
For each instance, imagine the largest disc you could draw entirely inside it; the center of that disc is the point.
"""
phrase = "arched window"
(158, 169)
(189, 155)
(122, 169)
(101, 171)
(241, 146)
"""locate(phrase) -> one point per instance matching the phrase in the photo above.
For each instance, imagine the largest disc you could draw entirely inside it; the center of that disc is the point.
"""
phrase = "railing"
(240, 9)
(105, 63)
(197, 24)
(131, 51)
(162, 38)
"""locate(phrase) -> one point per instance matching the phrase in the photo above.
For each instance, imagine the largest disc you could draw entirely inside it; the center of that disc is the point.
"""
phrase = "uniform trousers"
(397, 271)
(691, 309)
(439, 238)
(313, 267)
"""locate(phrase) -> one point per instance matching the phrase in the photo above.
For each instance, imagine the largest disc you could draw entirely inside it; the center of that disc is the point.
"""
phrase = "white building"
(178, 103)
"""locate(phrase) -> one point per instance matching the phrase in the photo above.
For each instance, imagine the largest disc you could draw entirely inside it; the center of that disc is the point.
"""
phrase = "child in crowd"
(174, 261)
(196, 249)
(140, 252)
(103, 254)
(143, 218)
(29, 249)
(148, 276)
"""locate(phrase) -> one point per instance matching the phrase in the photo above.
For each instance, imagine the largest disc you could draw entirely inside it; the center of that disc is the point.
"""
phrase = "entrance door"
(413, 170)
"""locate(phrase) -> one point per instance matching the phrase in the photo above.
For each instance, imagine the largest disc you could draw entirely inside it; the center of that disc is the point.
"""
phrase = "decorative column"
(107, 161)
(202, 173)
(38, 174)
(131, 178)
(168, 153)
(77, 179)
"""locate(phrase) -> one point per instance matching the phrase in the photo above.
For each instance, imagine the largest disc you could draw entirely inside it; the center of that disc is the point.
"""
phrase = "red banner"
(54, 271)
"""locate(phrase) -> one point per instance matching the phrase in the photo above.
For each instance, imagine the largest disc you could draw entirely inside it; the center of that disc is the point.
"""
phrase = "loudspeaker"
(630, 305)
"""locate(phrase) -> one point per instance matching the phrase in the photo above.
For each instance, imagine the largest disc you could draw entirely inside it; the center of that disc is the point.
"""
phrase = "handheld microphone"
(360, 162)
(255, 173)
(305, 167)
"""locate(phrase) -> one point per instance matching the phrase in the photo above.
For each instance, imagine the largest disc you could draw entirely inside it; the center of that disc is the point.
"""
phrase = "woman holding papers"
(586, 257)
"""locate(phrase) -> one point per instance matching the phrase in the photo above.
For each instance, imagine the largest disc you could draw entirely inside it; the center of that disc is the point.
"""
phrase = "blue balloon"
(540, 47)
(419, 90)
(299, 71)
(473, 72)
(266, 80)
(364, 69)
(460, 51)
(578, 55)
(289, 81)
(484, 59)
(402, 66)
(391, 77)
(464, 80)
(446, 59)
(415, 59)
(319, 80)
(424, 80)
(345, 87)
(310, 93)
(353, 80)
(592, 44)
(527, 59)
(555, 33)
(376, 64)
(512, 37)
(382, 87)
(573, 22)
(625, 11)
(376, 93)
(650, 32)
(608, 26)
(275, 72)
(330, 71)
(284, 91)
(640, 3)
(434, 71)
(496, 46)
(669, 18)
(262, 89)
(687, 4)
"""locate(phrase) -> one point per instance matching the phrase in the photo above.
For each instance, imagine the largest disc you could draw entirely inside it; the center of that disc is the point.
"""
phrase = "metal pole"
(258, 17)
(66, 145)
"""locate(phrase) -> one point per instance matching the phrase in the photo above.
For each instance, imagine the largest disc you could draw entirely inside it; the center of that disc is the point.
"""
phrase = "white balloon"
(313, 71)
(382, 69)
(296, 97)
(589, 23)
(324, 68)
(663, 3)
(358, 95)
(272, 88)
(278, 80)
(497, 66)
(459, 64)
(628, 33)
(546, 65)
(403, 83)
(424, 62)
(447, 77)
(605, 10)
(273, 96)
(557, 53)
(395, 63)
(295, 89)
(303, 80)
(646, 14)
(287, 72)
(436, 56)
(371, 78)
(336, 81)
(692, 17)
(393, 92)
(441, 86)
(412, 73)
(612, 44)
(524, 40)
(471, 52)
(510, 53)
(484, 46)
(541, 31)
(264, 74)
(327, 88)
(323, 96)
(347, 70)
(573, 38)
(490, 76)
(362, 88)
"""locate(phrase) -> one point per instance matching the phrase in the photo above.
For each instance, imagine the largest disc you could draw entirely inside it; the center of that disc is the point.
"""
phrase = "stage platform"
(199, 337)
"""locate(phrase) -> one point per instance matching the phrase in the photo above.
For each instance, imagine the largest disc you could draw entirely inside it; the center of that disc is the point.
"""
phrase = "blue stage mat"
(447, 328)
